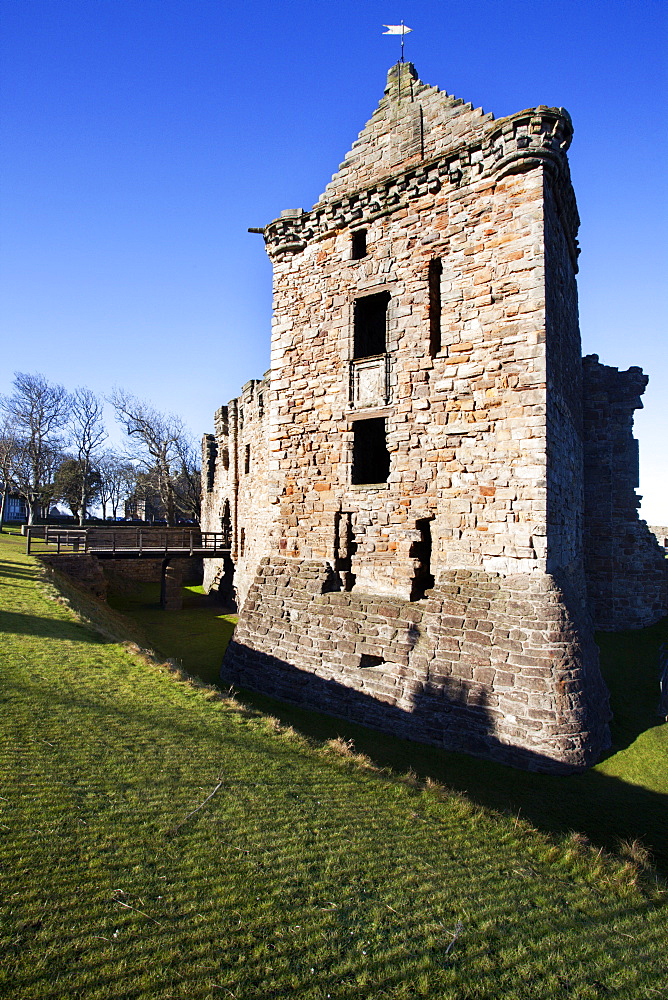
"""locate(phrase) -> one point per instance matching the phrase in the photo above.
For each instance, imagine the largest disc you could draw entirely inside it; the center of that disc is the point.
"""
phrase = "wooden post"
(27, 541)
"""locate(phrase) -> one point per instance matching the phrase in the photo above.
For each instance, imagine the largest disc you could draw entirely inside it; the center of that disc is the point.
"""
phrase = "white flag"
(396, 29)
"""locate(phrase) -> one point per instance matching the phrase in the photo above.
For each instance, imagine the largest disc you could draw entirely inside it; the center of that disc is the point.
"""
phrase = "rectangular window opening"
(435, 272)
(371, 458)
(359, 244)
(370, 325)
(242, 541)
(369, 660)
(247, 459)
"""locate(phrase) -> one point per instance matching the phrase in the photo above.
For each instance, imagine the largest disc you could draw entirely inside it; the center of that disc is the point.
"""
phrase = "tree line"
(53, 448)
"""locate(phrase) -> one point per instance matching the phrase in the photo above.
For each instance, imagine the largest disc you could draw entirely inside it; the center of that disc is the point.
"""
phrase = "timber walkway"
(129, 542)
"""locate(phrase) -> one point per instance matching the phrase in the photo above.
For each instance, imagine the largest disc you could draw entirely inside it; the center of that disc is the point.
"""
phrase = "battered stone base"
(490, 665)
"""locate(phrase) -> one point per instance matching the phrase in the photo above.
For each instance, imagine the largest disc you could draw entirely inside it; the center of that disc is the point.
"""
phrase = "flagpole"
(398, 29)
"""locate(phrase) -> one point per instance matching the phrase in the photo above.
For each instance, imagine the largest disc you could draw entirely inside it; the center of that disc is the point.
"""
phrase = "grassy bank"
(158, 840)
(623, 799)
(196, 636)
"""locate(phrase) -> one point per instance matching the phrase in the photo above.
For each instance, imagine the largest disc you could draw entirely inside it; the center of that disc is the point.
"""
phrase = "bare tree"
(118, 479)
(157, 442)
(37, 410)
(188, 484)
(87, 435)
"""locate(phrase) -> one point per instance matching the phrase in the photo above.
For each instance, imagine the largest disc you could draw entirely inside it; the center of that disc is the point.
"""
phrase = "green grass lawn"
(196, 636)
(624, 798)
(307, 872)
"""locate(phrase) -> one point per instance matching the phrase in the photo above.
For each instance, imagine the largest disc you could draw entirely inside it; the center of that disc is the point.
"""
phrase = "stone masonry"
(625, 565)
(405, 491)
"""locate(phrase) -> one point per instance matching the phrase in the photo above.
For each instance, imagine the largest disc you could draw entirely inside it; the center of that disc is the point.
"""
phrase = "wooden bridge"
(129, 542)
(143, 542)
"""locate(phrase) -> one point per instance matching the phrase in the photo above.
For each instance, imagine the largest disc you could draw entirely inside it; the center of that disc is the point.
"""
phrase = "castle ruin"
(430, 497)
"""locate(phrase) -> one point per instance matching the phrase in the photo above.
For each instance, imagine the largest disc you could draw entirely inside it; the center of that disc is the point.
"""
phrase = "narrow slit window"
(242, 541)
(359, 244)
(211, 452)
(247, 459)
(420, 550)
(435, 272)
(370, 325)
(226, 524)
(345, 548)
(371, 458)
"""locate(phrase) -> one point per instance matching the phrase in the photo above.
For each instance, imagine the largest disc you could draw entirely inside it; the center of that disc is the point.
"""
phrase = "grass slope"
(624, 798)
(158, 840)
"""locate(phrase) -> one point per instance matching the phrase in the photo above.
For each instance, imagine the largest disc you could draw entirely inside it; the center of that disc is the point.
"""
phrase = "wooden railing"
(129, 541)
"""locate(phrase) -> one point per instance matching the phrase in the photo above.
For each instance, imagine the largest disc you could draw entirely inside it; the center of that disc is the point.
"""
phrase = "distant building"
(15, 508)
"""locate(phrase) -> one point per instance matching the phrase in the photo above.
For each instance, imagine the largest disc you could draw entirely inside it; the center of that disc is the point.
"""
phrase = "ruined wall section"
(626, 570)
(466, 425)
(236, 498)
(660, 532)
(465, 428)
(217, 489)
(503, 664)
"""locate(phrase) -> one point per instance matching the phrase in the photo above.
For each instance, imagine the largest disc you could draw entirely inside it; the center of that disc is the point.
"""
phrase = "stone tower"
(410, 552)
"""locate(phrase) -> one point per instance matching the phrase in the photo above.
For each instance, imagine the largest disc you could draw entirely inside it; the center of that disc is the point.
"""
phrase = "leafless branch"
(201, 806)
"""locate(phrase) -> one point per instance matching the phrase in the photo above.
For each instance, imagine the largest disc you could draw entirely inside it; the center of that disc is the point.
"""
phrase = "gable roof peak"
(400, 80)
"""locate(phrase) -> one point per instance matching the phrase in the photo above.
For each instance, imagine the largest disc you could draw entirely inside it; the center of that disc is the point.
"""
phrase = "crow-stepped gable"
(419, 494)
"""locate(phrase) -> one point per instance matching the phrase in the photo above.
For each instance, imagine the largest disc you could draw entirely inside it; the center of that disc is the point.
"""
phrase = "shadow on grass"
(196, 636)
(21, 572)
(606, 808)
(15, 622)
(630, 666)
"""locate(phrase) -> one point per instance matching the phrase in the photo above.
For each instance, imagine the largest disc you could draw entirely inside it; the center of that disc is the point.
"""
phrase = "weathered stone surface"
(446, 598)
(625, 565)
(83, 568)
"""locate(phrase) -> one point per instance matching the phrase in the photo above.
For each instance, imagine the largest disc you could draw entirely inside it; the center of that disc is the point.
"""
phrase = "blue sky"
(141, 138)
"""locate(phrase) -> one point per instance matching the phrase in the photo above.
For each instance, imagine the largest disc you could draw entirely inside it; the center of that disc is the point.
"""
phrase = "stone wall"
(84, 569)
(236, 497)
(97, 576)
(466, 424)
(492, 665)
(465, 428)
(660, 532)
(627, 578)
(123, 572)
